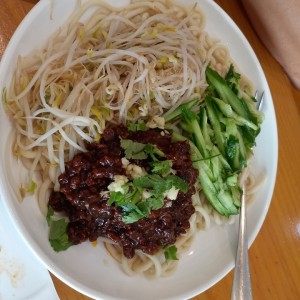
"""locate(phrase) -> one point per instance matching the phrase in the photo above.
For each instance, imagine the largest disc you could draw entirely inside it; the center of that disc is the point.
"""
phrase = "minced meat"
(88, 175)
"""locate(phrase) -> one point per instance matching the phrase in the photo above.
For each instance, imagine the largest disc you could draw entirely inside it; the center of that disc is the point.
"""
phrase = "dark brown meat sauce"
(89, 173)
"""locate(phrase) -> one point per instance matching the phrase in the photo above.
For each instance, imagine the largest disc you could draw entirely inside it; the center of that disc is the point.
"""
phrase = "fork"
(241, 288)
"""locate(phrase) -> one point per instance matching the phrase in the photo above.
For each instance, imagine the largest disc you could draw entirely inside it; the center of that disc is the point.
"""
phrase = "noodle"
(114, 65)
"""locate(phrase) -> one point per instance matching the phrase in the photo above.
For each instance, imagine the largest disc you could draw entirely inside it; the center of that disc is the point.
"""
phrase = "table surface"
(275, 254)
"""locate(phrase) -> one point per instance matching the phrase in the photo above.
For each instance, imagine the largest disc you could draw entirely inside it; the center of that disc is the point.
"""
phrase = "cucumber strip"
(185, 127)
(191, 119)
(177, 112)
(204, 126)
(211, 193)
(243, 122)
(227, 168)
(216, 165)
(177, 137)
(236, 150)
(243, 151)
(227, 94)
(216, 125)
(257, 116)
(224, 107)
(227, 201)
(236, 195)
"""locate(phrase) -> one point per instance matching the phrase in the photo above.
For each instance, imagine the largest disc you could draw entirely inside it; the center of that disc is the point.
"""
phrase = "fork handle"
(241, 288)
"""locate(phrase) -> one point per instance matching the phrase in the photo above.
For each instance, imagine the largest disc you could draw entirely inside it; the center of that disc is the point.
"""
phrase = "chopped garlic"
(146, 194)
(172, 171)
(168, 204)
(132, 171)
(125, 162)
(135, 171)
(171, 193)
(116, 186)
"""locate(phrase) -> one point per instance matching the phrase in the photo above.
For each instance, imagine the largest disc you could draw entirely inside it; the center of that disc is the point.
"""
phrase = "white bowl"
(89, 269)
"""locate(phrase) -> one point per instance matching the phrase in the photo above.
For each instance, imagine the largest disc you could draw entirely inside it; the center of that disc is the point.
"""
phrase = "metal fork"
(241, 288)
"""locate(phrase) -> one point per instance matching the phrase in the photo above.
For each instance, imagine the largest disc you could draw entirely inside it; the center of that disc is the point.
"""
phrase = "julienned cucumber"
(221, 130)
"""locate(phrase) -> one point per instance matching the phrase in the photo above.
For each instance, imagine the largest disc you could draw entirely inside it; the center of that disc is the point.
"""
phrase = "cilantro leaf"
(233, 153)
(131, 194)
(143, 207)
(159, 185)
(137, 126)
(170, 252)
(233, 79)
(58, 236)
(49, 216)
(128, 207)
(152, 151)
(133, 150)
(131, 217)
(161, 167)
(178, 183)
(156, 202)
(61, 245)
(153, 181)
(116, 197)
(133, 213)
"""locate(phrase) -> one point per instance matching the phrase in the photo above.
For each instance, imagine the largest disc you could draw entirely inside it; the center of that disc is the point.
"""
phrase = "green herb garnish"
(58, 236)
(141, 126)
(170, 252)
(161, 167)
(153, 151)
(135, 150)
(133, 204)
(49, 215)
